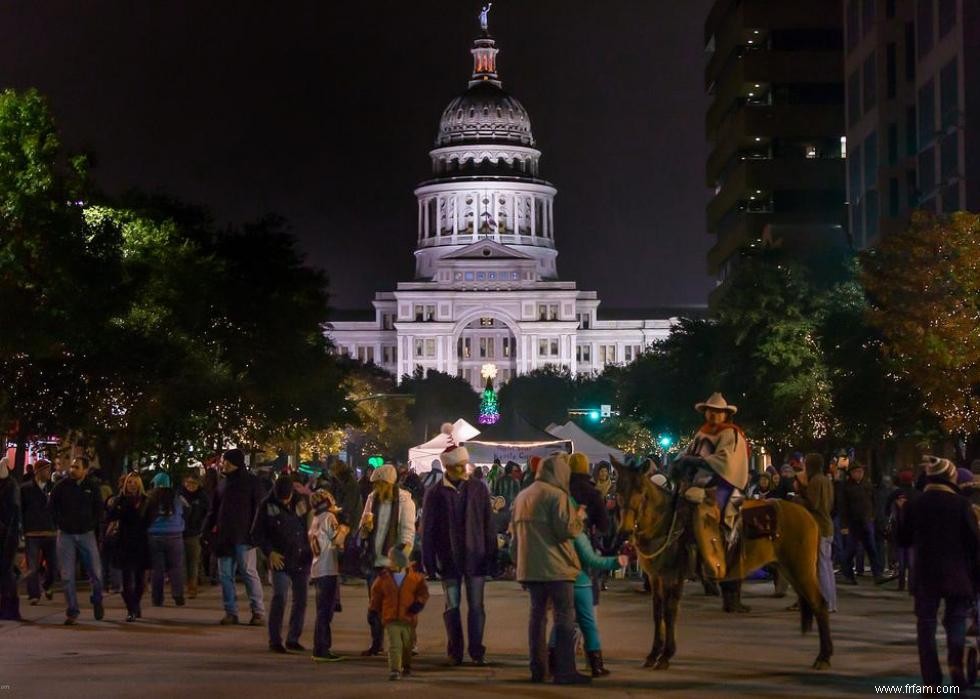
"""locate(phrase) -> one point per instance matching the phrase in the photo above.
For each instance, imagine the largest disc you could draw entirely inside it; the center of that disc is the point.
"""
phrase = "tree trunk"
(20, 455)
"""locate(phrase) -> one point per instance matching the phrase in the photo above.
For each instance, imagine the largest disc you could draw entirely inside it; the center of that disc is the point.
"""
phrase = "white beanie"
(4, 468)
(386, 473)
(455, 456)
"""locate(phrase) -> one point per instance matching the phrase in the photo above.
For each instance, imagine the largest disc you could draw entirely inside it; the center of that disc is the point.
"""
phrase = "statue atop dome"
(485, 17)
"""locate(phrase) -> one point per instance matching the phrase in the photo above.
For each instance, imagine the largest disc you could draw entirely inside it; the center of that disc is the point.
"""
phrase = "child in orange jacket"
(398, 595)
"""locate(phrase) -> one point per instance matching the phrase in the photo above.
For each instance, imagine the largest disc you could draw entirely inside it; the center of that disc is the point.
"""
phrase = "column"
(476, 213)
(437, 219)
(551, 219)
(533, 215)
(456, 220)
(426, 217)
(495, 213)
(513, 213)
(420, 221)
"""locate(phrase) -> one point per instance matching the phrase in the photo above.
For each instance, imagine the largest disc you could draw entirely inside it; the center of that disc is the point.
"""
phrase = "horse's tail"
(806, 615)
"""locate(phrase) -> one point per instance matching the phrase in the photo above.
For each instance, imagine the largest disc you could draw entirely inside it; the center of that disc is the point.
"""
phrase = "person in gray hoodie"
(544, 524)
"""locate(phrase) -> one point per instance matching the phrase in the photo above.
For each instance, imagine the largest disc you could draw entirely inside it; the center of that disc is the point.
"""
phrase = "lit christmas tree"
(489, 410)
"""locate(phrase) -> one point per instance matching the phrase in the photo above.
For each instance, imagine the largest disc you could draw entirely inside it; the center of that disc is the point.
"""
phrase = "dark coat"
(458, 533)
(941, 527)
(76, 507)
(131, 547)
(278, 527)
(9, 519)
(585, 493)
(234, 503)
(34, 506)
(196, 511)
(857, 503)
(347, 493)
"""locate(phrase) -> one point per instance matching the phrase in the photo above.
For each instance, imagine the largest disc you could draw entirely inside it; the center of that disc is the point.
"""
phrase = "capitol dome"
(482, 114)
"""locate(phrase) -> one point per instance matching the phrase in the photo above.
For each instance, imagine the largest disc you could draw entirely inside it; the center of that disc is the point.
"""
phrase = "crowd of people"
(551, 525)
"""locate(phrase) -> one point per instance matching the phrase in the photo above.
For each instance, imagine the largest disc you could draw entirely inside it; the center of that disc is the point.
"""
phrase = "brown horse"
(659, 524)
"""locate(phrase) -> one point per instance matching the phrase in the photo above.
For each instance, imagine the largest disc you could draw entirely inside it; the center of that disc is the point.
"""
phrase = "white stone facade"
(486, 286)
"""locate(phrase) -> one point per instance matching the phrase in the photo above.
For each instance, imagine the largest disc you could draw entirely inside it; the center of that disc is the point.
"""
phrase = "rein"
(673, 534)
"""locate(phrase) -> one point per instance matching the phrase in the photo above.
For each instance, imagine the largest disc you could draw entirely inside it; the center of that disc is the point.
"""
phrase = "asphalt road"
(183, 652)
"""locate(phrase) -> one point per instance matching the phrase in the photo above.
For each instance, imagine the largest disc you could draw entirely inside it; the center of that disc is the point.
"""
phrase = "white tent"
(585, 443)
(422, 457)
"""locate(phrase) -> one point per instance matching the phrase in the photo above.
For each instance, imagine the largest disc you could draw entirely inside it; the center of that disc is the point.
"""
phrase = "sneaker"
(394, 676)
(98, 610)
(256, 620)
(328, 657)
(130, 617)
(294, 646)
(179, 601)
(227, 620)
(277, 648)
(71, 620)
(34, 601)
(480, 662)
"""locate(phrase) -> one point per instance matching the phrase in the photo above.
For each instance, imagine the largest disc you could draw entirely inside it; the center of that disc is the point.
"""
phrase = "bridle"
(673, 533)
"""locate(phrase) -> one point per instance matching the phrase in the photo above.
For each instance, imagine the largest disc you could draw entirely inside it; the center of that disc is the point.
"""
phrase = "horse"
(659, 525)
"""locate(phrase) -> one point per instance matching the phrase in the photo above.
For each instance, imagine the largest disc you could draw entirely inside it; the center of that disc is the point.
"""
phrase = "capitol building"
(486, 287)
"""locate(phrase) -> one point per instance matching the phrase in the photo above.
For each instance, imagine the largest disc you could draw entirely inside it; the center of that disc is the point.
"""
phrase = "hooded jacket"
(544, 525)
(278, 527)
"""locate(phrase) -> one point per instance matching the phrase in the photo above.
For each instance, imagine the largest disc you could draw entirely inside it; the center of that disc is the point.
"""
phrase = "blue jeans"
(71, 546)
(825, 572)
(36, 547)
(244, 561)
(954, 621)
(863, 533)
(585, 618)
(326, 602)
(475, 617)
(282, 581)
(167, 559)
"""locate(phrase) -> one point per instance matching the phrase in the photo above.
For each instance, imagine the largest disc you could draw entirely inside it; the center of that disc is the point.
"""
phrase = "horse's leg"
(801, 571)
(657, 598)
(672, 603)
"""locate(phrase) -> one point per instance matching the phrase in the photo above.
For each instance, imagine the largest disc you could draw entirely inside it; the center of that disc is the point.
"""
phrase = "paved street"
(173, 650)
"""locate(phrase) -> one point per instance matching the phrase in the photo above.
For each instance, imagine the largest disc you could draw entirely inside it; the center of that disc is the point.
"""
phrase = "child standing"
(326, 537)
(397, 596)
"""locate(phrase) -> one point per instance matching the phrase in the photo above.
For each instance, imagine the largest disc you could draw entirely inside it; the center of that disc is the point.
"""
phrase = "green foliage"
(437, 398)
(541, 396)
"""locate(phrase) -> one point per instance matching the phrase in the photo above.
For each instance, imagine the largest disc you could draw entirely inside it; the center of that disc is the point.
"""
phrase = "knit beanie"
(161, 480)
(235, 457)
(578, 462)
(386, 473)
(963, 475)
(454, 456)
(936, 467)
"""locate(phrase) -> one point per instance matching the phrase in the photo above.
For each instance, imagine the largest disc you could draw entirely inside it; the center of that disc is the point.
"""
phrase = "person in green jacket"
(585, 600)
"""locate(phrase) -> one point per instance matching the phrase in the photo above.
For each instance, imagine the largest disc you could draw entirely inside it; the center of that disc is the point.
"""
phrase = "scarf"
(603, 487)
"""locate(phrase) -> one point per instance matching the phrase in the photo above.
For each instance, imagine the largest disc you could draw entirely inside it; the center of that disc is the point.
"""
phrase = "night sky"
(324, 112)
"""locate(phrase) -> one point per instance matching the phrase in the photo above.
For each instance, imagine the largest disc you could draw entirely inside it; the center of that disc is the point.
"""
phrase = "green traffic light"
(594, 415)
(375, 461)
(666, 441)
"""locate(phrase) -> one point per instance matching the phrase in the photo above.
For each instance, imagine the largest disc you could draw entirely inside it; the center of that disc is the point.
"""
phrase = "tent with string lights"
(423, 456)
(513, 438)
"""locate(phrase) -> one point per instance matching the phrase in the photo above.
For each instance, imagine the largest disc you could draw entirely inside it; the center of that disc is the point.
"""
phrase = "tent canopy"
(513, 439)
(422, 457)
(586, 443)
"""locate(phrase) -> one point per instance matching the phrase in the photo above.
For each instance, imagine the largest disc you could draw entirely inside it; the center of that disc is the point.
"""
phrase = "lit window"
(811, 152)
(542, 348)
(481, 276)
(430, 348)
(468, 276)
(843, 146)
(419, 348)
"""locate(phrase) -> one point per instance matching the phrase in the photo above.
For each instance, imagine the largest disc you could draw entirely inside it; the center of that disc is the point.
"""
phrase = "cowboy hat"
(716, 402)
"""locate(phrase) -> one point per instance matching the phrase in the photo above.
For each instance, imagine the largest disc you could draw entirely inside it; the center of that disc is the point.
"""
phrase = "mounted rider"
(717, 459)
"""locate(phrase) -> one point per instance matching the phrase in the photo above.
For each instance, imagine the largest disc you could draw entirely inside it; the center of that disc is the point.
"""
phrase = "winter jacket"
(323, 531)
(458, 535)
(386, 533)
(941, 527)
(507, 487)
(544, 524)
(9, 519)
(856, 507)
(130, 549)
(77, 507)
(582, 488)
(278, 527)
(347, 493)
(35, 510)
(818, 498)
(165, 512)
(196, 511)
(396, 603)
(591, 561)
(234, 503)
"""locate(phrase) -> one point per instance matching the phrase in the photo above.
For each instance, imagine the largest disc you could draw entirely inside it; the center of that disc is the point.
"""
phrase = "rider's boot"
(731, 597)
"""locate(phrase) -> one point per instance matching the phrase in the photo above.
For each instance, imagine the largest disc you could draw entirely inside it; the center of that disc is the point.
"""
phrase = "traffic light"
(375, 461)
(666, 440)
(594, 415)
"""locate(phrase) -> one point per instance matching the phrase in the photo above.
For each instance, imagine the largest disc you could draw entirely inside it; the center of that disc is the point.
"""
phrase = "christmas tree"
(489, 409)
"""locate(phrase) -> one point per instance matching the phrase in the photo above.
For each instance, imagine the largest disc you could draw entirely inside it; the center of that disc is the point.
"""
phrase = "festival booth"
(513, 439)
(586, 443)
(423, 456)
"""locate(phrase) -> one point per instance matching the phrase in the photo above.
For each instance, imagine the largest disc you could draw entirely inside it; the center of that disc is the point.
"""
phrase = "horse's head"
(631, 495)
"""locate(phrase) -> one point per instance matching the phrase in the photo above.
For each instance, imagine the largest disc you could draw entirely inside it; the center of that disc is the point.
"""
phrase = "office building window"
(854, 187)
(949, 157)
(583, 353)
(871, 211)
(951, 198)
(857, 223)
(867, 16)
(870, 83)
(892, 144)
(871, 160)
(893, 195)
(583, 320)
(419, 347)
(853, 98)
(927, 173)
(388, 353)
(463, 348)
(949, 106)
(508, 346)
(947, 20)
(891, 70)
(923, 26)
(424, 313)
(853, 24)
(365, 354)
(911, 146)
(486, 322)
(430, 348)
(911, 189)
(909, 50)
(927, 114)
(486, 348)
